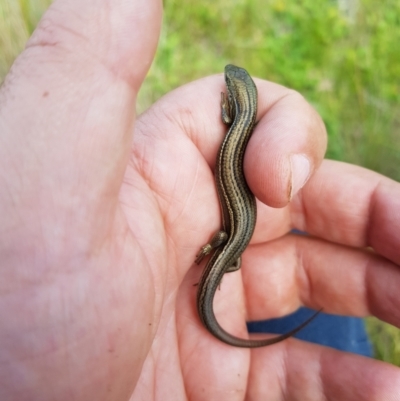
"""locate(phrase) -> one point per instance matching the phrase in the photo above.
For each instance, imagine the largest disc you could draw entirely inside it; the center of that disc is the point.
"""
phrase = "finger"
(351, 205)
(295, 370)
(67, 105)
(287, 126)
(342, 203)
(66, 116)
(296, 270)
(188, 120)
(288, 144)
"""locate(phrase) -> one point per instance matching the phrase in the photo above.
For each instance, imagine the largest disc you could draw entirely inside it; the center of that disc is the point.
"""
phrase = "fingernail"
(300, 173)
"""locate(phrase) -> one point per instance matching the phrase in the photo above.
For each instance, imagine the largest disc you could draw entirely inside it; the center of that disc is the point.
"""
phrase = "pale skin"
(103, 214)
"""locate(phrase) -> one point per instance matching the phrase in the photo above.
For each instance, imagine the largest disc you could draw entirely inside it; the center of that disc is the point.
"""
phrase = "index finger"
(287, 145)
(288, 129)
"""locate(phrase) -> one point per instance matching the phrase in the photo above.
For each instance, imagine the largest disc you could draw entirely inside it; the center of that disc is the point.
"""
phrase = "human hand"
(99, 233)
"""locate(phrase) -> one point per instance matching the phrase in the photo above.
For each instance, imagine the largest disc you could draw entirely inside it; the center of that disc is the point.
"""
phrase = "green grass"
(349, 69)
(18, 19)
(385, 339)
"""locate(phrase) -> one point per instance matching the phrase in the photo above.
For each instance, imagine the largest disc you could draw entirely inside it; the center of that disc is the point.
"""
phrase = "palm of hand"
(98, 240)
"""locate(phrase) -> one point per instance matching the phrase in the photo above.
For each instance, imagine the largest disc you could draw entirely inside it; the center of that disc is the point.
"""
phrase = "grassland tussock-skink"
(238, 205)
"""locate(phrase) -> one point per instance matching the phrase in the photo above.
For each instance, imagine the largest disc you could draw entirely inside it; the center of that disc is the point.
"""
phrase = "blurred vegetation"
(18, 19)
(385, 339)
(346, 62)
(347, 66)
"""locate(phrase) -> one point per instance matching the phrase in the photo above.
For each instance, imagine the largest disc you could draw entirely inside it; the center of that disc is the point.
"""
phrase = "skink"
(238, 205)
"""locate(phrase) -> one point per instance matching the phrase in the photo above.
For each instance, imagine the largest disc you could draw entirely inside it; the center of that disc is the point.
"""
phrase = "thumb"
(67, 105)
(66, 113)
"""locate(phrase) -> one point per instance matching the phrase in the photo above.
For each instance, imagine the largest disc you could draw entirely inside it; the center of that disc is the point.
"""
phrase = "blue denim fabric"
(340, 332)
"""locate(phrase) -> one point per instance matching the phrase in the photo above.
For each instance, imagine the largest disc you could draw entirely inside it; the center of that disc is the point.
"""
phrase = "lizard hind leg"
(218, 239)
